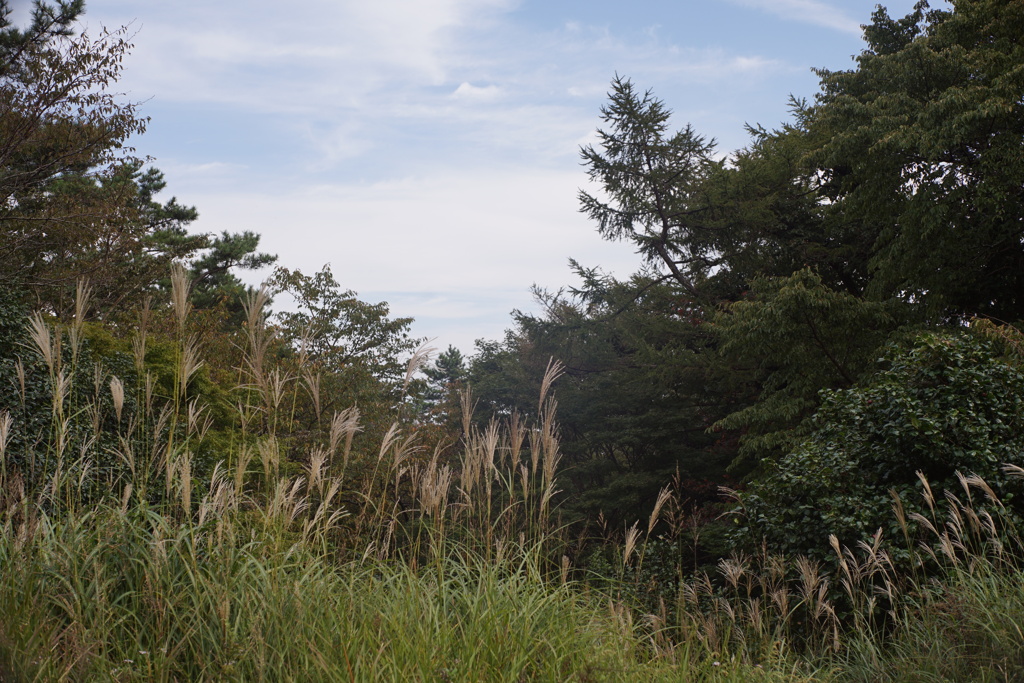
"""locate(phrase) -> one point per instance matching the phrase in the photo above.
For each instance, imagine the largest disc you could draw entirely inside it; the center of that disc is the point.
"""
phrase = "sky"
(428, 150)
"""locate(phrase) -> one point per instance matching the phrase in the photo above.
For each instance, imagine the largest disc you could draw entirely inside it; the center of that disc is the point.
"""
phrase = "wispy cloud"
(508, 228)
(818, 12)
(197, 51)
(347, 80)
(459, 245)
(468, 91)
(427, 149)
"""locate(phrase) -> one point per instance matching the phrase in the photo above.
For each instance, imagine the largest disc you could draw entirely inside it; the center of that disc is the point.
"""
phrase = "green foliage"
(49, 20)
(654, 183)
(77, 203)
(920, 147)
(942, 405)
(213, 280)
(799, 336)
(337, 330)
(339, 352)
(447, 373)
(65, 138)
(635, 399)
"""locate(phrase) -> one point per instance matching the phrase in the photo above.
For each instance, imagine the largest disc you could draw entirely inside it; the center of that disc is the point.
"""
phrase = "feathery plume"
(420, 357)
(117, 394)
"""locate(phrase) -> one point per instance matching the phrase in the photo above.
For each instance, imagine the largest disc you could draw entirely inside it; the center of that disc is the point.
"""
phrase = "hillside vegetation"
(789, 448)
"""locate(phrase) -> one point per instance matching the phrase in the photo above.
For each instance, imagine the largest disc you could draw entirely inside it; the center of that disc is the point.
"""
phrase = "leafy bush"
(944, 404)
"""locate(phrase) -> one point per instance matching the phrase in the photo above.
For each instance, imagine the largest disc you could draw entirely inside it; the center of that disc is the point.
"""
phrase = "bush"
(942, 405)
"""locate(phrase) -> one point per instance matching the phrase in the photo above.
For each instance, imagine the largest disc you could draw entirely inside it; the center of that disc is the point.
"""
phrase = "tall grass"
(125, 558)
(130, 595)
(432, 571)
(951, 610)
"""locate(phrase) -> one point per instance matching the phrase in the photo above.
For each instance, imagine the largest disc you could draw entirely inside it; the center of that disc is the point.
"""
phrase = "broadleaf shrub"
(945, 403)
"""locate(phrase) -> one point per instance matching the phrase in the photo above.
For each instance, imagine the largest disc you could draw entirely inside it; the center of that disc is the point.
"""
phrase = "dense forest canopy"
(891, 205)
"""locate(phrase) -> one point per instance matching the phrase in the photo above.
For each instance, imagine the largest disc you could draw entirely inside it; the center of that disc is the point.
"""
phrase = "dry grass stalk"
(82, 295)
(311, 383)
(149, 392)
(95, 413)
(274, 390)
(180, 288)
(402, 452)
(663, 496)
(388, 441)
(270, 456)
(127, 455)
(517, 437)
(61, 391)
(545, 503)
(524, 481)
(287, 503)
(190, 363)
(98, 375)
(549, 444)
(198, 419)
(780, 598)
(19, 370)
(139, 339)
(434, 488)
(811, 580)
(254, 307)
(343, 424)
(220, 497)
(325, 518)
(536, 449)
(160, 439)
(245, 456)
(5, 436)
(733, 569)
(1015, 471)
(901, 515)
(468, 406)
(553, 371)
(317, 461)
(420, 357)
(632, 535)
(977, 482)
(928, 496)
(126, 497)
(258, 336)
(117, 395)
(470, 472)
(39, 333)
(488, 448)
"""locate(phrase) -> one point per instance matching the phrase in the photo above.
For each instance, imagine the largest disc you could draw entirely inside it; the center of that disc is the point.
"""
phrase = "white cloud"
(336, 143)
(818, 12)
(199, 51)
(506, 227)
(365, 134)
(468, 91)
(206, 170)
(457, 250)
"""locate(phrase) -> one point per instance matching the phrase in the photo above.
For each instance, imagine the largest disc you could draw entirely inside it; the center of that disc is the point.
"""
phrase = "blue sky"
(428, 149)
